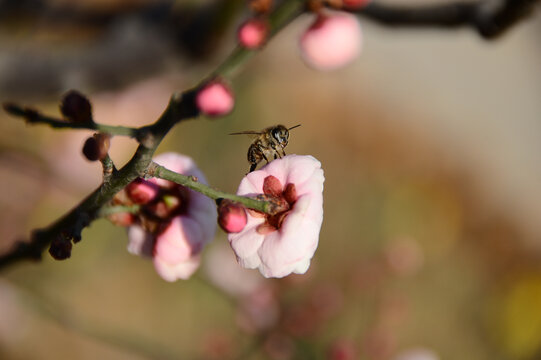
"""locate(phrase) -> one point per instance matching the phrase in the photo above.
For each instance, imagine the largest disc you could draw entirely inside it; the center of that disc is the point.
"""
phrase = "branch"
(34, 117)
(489, 18)
(192, 183)
(181, 107)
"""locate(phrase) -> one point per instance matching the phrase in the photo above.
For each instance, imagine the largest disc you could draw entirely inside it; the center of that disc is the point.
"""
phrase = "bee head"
(280, 134)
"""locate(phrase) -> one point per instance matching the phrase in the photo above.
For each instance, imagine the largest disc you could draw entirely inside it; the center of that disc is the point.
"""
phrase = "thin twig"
(490, 18)
(32, 116)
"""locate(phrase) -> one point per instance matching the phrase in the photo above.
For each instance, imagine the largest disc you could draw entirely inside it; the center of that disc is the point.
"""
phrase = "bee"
(268, 144)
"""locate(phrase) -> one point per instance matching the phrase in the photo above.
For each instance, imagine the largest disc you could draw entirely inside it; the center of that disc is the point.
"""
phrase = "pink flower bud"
(141, 191)
(215, 99)
(253, 33)
(231, 216)
(331, 41)
(355, 4)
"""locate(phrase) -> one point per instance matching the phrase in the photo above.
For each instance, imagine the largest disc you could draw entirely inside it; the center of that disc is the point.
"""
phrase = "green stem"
(192, 183)
(110, 210)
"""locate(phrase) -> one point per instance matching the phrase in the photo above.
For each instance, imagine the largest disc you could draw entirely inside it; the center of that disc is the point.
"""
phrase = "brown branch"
(181, 107)
(489, 18)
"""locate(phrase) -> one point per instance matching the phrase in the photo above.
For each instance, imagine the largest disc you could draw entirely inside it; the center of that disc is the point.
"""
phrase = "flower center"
(285, 197)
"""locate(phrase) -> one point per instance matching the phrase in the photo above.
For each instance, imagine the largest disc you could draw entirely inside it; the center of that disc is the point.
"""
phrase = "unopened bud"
(253, 33)
(231, 216)
(260, 6)
(331, 41)
(215, 99)
(96, 147)
(141, 191)
(355, 4)
(121, 219)
(60, 248)
(76, 107)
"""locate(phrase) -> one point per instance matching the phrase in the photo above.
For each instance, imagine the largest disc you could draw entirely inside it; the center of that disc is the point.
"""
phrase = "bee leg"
(263, 154)
(252, 167)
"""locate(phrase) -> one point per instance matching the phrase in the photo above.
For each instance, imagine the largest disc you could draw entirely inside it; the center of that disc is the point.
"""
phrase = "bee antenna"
(293, 127)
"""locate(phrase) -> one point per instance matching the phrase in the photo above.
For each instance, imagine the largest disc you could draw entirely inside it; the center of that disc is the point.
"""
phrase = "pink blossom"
(332, 41)
(253, 33)
(182, 232)
(215, 99)
(284, 243)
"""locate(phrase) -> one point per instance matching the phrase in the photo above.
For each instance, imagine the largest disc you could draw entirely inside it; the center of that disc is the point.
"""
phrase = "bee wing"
(248, 132)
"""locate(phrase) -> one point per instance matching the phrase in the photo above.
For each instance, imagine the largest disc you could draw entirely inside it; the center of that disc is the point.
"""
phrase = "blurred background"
(430, 144)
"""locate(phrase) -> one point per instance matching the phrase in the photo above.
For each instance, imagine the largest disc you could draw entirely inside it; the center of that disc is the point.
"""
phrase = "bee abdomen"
(254, 154)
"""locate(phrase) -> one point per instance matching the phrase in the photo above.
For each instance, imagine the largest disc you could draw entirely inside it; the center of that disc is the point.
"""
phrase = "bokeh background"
(431, 241)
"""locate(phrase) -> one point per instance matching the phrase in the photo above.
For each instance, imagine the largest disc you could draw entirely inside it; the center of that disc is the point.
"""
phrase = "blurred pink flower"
(331, 42)
(176, 245)
(417, 354)
(284, 243)
(215, 99)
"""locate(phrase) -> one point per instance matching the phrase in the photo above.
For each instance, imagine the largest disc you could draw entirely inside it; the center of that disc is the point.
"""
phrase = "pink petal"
(139, 241)
(247, 242)
(179, 242)
(172, 272)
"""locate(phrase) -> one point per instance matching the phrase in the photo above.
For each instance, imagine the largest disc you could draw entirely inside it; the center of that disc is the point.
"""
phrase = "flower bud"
(60, 248)
(331, 41)
(253, 33)
(260, 6)
(355, 4)
(96, 147)
(215, 99)
(122, 219)
(141, 191)
(231, 216)
(76, 107)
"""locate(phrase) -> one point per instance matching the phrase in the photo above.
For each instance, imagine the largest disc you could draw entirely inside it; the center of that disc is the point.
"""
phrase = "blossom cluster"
(173, 223)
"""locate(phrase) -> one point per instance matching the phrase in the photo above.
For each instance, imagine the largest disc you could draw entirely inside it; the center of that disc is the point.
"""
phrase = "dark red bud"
(260, 6)
(76, 107)
(96, 147)
(60, 248)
